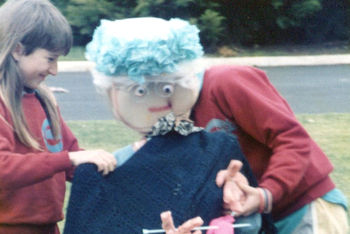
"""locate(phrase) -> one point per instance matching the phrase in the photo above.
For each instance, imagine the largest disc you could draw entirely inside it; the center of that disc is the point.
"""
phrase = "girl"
(38, 152)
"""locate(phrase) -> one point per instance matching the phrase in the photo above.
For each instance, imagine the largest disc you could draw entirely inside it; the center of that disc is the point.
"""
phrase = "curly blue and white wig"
(144, 49)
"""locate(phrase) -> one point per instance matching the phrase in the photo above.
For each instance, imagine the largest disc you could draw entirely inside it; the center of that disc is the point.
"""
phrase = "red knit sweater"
(241, 100)
(32, 183)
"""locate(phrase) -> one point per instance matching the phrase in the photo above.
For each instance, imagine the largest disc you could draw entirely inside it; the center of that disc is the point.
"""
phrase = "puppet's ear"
(184, 98)
(18, 51)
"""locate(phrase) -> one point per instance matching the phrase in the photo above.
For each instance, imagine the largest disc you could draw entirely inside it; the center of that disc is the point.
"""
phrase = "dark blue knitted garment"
(170, 172)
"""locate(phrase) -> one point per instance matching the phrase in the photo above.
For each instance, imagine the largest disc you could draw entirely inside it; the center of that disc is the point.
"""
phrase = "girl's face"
(36, 66)
(140, 106)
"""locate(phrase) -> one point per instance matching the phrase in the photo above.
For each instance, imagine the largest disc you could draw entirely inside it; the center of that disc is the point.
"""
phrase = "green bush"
(85, 15)
(223, 22)
(211, 28)
(310, 21)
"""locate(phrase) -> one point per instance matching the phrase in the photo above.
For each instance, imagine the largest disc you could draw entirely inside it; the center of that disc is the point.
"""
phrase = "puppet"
(150, 70)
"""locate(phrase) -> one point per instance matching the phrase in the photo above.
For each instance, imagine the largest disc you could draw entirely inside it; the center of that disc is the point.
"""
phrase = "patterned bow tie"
(170, 122)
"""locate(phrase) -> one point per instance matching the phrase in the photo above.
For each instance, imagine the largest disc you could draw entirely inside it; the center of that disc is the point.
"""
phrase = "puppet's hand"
(104, 160)
(234, 197)
(186, 227)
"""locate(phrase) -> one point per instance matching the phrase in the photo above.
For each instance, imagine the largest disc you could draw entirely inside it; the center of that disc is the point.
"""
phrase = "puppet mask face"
(141, 105)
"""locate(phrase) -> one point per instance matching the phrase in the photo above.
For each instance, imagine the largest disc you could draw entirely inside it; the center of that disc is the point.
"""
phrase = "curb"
(273, 61)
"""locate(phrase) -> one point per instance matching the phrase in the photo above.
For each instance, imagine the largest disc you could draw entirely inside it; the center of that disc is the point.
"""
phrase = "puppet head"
(148, 67)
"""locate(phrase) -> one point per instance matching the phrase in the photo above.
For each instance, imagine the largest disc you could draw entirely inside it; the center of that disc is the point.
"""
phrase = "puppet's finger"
(167, 222)
(229, 173)
(246, 188)
(232, 169)
(221, 177)
(189, 225)
(232, 196)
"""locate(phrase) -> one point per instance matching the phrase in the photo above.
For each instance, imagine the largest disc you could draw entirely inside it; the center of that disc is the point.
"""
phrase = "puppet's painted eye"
(140, 91)
(167, 90)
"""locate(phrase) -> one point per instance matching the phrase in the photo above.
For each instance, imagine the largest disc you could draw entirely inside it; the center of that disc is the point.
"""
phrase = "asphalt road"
(315, 89)
(308, 89)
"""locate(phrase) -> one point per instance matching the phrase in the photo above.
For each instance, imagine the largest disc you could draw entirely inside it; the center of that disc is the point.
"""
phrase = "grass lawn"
(330, 131)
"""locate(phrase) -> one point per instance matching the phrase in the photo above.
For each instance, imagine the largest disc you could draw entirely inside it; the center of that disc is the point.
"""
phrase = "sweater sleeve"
(246, 96)
(23, 169)
(21, 166)
(70, 144)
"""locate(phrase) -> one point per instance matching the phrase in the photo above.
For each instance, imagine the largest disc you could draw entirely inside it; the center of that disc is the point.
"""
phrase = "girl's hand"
(104, 160)
(185, 228)
(233, 196)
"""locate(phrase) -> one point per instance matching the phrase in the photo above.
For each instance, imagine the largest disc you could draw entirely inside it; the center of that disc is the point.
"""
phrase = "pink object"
(224, 223)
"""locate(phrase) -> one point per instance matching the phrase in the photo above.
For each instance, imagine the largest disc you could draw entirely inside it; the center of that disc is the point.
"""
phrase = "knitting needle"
(146, 231)
(239, 225)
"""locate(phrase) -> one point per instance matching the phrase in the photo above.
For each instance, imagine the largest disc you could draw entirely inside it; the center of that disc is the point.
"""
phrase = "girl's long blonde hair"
(35, 24)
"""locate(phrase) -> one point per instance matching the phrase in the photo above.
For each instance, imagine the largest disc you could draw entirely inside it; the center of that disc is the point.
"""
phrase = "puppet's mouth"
(160, 108)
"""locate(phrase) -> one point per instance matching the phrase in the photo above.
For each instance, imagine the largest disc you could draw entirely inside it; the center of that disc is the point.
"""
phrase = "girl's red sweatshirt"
(32, 182)
(284, 158)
